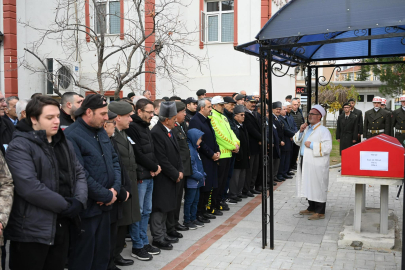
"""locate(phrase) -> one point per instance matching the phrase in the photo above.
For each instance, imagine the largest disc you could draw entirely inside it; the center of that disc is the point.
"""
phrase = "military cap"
(120, 107)
(229, 100)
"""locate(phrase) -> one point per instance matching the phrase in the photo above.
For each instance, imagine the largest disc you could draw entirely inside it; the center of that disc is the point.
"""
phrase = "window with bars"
(107, 17)
(218, 21)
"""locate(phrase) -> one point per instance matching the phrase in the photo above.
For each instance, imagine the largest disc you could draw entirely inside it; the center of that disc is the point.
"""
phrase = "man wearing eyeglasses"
(6, 127)
(147, 168)
(312, 178)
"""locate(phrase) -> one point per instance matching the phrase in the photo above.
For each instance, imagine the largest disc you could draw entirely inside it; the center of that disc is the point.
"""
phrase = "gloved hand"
(73, 210)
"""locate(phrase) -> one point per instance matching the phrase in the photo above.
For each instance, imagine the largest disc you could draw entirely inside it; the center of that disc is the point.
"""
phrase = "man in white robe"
(312, 178)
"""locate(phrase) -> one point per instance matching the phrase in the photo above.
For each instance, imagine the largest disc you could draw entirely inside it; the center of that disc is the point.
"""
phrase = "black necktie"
(171, 135)
(347, 117)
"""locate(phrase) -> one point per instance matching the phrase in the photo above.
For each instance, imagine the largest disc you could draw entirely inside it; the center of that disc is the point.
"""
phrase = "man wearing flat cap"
(97, 156)
(347, 128)
(172, 224)
(167, 152)
(279, 126)
(312, 178)
(201, 94)
(131, 209)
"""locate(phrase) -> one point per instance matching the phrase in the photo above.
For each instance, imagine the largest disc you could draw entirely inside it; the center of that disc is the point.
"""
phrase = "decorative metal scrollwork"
(360, 32)
(299, 50)
(391, 29)
(403, 41)
(329, 35)
(322, 79)
(278, 68)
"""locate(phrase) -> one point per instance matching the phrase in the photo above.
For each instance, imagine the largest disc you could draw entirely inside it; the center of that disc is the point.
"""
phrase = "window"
(361, 98)
(370, 98)
(376, 78)
(107, 17)
(217, 21)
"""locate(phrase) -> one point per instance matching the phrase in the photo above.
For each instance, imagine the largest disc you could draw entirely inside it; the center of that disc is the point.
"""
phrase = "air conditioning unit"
(62, 75)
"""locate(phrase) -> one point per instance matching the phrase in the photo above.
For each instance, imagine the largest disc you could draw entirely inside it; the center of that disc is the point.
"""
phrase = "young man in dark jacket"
(147, 168)
(91, 244)
(50, 189)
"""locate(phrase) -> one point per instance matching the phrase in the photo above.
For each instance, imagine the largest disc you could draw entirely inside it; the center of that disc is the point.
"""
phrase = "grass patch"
(335, 157)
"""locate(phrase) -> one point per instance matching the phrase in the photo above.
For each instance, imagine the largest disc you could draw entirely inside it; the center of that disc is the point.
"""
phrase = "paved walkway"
(234, 240)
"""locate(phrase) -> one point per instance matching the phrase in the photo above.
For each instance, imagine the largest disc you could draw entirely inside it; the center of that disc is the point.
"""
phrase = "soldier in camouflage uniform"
(398, 119)
(6, 196)
(377, 120)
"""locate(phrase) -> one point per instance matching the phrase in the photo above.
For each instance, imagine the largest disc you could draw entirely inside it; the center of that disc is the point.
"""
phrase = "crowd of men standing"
(86, 174)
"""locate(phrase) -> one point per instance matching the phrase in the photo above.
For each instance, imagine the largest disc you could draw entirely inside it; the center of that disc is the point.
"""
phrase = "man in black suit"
(255, 139)
(347, 128)
(359, 115)
(167, 152)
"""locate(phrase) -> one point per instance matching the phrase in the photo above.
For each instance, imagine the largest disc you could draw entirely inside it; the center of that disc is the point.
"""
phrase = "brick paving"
(234, 240)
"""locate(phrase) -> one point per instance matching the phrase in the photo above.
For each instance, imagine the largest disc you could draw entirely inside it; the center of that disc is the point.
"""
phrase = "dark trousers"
(113, 243)
(229, 178)
(121, 234)
(91, 246)
(158, 225)
(259, 177)
(251, 173)
(223, 171)
(203, 202)
(36, 256)
(285, 160)
(3, 254)
(317, 207)
(171, 221)
(294, 156)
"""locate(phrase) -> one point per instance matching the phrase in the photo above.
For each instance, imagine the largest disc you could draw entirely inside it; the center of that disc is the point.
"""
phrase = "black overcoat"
(254, 130)
(242, 157)
(130, 209)
(347, 130)
(184, 150)
(167, 152)
(208, 148)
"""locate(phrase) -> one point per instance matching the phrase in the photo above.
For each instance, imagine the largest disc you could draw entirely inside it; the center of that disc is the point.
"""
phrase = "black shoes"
(259, 188)
(216, 212)
(171, 239)
(176, 234)
(290, 173)
(123, 262)
(231, 201)
(180, 227)
(151, 249)
(141, 254)
(208, 216)
(254, 191)
(203, 219)
(163, 244)
(242, 196)
(223, 206)
(249, 194)
(236, 198)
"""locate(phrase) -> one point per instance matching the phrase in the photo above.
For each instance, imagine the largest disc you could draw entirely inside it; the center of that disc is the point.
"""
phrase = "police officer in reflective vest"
(398, 121)
(376, 120)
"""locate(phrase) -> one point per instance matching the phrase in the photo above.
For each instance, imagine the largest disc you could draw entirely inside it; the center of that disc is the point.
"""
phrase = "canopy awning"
(319, 30)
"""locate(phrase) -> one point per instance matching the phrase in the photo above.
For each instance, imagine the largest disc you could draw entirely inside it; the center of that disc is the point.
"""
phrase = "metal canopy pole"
(316, 85)
(403, 229)
(309, 87)
(263, 120)
(270, 171)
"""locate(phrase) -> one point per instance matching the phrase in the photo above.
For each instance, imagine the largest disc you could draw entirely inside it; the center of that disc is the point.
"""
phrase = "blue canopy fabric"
(304, 31)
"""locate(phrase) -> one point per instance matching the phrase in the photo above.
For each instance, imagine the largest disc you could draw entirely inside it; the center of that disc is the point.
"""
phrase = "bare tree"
(120, 58)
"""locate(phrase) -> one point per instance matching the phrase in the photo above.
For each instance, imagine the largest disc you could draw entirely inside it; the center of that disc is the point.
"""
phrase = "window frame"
(205, 26)
(108, 16)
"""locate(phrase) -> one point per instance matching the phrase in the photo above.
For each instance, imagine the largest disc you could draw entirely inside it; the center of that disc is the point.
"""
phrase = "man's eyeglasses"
(148, 112)
(312, 114)
(2, 100)
(110, 122)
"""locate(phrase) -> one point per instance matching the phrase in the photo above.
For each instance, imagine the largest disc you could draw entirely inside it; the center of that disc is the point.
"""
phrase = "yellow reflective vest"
(226, 138)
